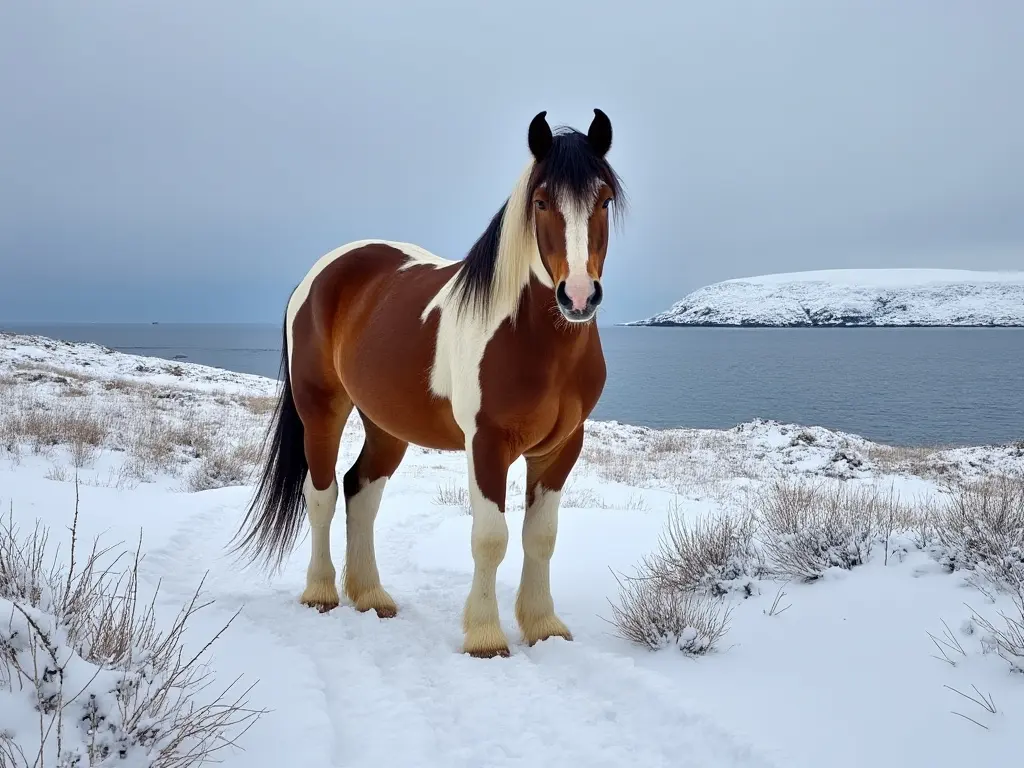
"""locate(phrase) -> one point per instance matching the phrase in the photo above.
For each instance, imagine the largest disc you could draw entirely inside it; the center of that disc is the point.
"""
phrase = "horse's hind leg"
(324, 419)
(363, 486)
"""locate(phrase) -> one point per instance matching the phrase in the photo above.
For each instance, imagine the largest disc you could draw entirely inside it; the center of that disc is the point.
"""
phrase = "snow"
(885, 278)
(855, 297)
(846, 676)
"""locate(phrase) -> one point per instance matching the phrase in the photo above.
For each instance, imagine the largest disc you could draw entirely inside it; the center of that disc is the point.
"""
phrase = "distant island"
(854, 298)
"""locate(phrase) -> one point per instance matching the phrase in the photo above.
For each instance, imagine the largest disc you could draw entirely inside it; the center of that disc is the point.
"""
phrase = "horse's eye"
(607, 203)
(541, 205)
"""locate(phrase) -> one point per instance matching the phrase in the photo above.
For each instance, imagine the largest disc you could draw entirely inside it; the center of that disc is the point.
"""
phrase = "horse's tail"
(275, 512)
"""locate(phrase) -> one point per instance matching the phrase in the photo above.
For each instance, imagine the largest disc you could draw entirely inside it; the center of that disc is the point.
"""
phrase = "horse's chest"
(539, 401)
(533, 390)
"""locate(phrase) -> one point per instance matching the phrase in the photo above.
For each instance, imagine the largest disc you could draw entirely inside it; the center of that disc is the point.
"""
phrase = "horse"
(497, 355)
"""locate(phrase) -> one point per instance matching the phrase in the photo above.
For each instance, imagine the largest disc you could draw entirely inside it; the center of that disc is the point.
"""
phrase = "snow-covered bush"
(715, 554)
(86, 677)
(808, 527)
(676, 597)
(657, 615)
(981, 529)
(1008, 639)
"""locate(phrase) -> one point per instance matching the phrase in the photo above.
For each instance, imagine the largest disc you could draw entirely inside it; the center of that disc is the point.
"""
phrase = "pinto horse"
(497, 355)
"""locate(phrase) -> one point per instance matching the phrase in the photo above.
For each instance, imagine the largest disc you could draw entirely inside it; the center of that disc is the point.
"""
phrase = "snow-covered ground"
(840, 671)
(854, 297)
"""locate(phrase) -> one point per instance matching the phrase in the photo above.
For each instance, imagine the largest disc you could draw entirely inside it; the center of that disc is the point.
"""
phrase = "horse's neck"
(540, 319)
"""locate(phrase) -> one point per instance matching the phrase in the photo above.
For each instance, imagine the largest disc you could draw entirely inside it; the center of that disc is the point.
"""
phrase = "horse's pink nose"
(579, 295)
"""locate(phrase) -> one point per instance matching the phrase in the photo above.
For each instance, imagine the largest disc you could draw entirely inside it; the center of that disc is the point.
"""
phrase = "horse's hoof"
(544, 629)
(322, 595)
(502, 653)
(321, 607)
(486, 643)
(377, 600)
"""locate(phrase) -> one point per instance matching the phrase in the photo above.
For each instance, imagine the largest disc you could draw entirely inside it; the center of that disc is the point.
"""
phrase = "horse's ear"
(539, 136)
(600, 133)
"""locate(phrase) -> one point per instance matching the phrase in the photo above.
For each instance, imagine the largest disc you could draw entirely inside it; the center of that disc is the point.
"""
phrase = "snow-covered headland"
(814, 597)
(854, 297)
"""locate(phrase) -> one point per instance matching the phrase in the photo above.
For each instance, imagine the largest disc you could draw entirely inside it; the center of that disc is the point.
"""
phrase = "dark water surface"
(899, 385)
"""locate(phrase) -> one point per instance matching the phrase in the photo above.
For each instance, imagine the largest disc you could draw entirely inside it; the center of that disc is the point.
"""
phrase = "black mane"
(568, 169)
(475, 279)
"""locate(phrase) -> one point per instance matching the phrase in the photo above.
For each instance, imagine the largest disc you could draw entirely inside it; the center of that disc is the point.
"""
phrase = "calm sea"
(898, 385)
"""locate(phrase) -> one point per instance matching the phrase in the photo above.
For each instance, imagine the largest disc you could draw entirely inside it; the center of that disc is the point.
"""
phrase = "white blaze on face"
(578, 285)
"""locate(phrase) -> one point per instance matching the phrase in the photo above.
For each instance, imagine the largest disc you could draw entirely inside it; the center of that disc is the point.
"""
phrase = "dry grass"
(158, 430)
(453, 494)
(220, 469)
(1007, 639)
(145, 700)
(679, 460)
(903, 459)
(259, 405)
(79, 428)
(587, 498)
(581, 498)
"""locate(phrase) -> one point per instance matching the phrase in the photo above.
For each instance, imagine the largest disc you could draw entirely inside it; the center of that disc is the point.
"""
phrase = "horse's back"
(360, 325)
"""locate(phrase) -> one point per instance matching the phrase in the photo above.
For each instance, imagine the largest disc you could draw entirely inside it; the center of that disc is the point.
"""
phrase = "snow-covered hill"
(855, 297)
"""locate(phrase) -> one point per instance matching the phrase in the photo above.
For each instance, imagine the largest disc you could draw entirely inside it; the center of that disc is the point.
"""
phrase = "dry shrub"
(158, 429)
(1007, 640)
(43, 428)
(581, 498)
(715, 554)
(58, 473)
(653, 614)
(807, 528)
(81, 654)
(452, 494)
(218, 470)
(981, 529)
(259, 405)
(681, 460)
(895, 459)
(194, 433)
(894, 515)
(674, 600)
(628, 468)
(670, 441)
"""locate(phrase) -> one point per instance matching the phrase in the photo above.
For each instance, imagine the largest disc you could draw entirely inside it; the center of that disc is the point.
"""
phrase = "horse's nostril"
(598, 295)
(562, 297)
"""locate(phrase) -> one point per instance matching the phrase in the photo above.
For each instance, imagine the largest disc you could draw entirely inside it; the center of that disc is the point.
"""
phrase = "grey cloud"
(156, 154)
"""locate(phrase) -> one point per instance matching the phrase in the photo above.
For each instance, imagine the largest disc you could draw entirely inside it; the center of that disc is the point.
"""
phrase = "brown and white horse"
(497, 355)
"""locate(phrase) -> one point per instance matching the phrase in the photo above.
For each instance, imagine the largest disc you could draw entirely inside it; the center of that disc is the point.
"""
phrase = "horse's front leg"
(488, 454)
(545, 477)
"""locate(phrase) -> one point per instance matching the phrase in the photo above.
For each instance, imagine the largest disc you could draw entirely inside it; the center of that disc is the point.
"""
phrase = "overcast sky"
(189, 160)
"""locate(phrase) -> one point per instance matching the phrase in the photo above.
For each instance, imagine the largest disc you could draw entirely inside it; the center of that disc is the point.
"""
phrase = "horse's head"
(572, 192)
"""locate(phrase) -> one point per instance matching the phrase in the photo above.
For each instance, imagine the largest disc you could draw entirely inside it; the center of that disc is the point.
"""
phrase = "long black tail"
(275, 513)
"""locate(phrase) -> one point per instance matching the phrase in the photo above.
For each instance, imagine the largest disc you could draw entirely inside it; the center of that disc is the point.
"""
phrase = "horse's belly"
(416, 421)
(393, 391)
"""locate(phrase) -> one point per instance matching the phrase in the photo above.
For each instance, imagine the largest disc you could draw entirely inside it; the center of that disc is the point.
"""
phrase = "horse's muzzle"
(572, 308)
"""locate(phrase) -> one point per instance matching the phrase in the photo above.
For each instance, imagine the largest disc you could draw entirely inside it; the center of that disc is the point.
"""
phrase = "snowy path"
(398, 692)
